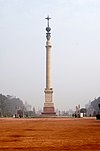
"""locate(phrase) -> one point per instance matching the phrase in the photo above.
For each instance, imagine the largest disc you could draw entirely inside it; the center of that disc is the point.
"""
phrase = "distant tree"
(98, 114)
(99, 106)
(95, 103)
(9, 105)
(2, 104)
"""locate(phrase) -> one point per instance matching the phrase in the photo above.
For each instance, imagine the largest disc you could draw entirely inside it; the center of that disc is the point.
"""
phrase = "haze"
(75, 37)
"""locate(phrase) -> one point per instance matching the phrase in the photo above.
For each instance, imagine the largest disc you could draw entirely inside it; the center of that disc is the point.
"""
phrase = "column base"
(48, 111)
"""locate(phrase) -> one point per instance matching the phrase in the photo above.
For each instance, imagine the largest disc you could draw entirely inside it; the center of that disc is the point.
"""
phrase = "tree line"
(9, 105)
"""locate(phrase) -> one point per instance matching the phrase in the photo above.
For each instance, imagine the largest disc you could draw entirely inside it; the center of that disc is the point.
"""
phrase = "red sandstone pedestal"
(48, 111)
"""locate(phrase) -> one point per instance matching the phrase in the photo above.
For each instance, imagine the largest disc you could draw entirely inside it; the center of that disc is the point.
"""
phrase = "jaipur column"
(48, 109)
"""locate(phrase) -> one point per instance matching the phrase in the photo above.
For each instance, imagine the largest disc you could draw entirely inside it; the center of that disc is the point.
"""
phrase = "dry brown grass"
(49, 134)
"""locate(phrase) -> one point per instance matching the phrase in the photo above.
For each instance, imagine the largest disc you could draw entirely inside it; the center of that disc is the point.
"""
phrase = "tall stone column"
(48, 109)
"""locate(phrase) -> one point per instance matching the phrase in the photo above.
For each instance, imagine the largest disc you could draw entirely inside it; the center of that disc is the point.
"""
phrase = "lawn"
(49, 134)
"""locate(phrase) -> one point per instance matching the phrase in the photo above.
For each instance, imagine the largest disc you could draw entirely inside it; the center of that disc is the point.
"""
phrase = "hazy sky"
(75, 50)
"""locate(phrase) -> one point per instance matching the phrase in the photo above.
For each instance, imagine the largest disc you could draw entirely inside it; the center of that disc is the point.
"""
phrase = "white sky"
(75, 53)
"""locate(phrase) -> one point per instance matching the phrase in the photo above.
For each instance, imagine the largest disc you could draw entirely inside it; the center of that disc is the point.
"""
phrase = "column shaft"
(48, 66)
